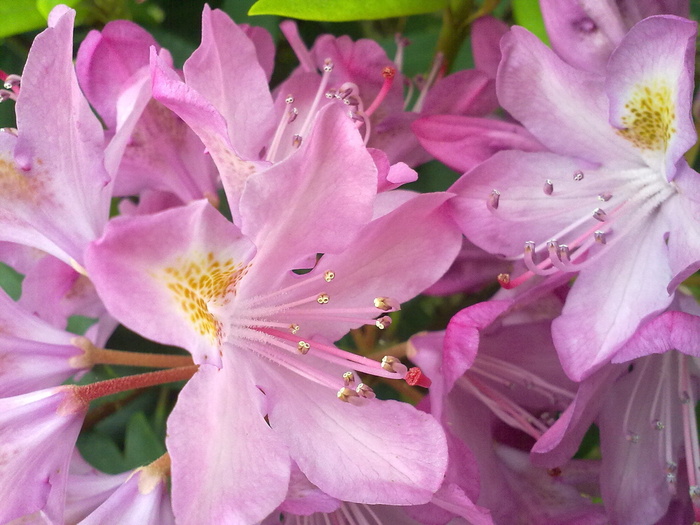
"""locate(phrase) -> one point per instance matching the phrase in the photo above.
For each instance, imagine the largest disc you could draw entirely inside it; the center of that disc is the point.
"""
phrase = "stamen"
(548, 187)
(599, 236)
(291, 33)
(578, 175)
(296, 140)
(537, 269)
(600, 215)
(388, 73)
(365, 391)
(345, 394)
(504, 408)
(383, 322)
(690, 432)
(349, 378)
(12, 82)
(605, 197)
(320, 93)
(294, 328)
(386, 304)
(303, 347)
(323, 298)
(401, 43)
(432, 76)
(415, 376)
(284, 121)
(393, 364)
(493, 200)
(328, 276)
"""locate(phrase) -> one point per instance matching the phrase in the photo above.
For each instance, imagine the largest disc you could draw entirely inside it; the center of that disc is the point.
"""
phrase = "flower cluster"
(253, 228)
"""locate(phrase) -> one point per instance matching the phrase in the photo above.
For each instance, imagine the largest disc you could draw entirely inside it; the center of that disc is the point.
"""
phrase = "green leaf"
(11, 281)
(141, 444)
(344, 10)
(45, 6)
(19, 16)
(527, 13)
(102, 452)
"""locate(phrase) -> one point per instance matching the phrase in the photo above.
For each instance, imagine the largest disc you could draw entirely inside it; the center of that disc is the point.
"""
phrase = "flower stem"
(114, 386)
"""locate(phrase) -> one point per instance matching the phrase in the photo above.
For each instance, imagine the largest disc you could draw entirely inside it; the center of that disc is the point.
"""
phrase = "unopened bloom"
(614, 201)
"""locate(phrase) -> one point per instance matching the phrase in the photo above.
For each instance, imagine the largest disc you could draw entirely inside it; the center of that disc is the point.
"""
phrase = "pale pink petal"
(556, 102)
(650, 86)
(142, 498)
(38, 431)
(232, 82)
(51, 168)
(583, 32)
(584, 341)
(683, 215)
(382, 452)
(228, 465)
(525, 212)
(209, 125)
(304, 194)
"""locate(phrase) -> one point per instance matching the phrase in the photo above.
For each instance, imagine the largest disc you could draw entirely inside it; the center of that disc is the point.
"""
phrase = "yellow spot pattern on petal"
(197, 280)
(650, 116)
(19, 186)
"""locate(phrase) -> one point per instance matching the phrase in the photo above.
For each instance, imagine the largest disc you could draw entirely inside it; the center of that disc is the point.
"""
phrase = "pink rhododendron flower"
(645, 412)
(269, 380)
(614, 200)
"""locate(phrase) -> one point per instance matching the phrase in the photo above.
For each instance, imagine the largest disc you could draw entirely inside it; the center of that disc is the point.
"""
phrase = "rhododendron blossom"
(332, 325)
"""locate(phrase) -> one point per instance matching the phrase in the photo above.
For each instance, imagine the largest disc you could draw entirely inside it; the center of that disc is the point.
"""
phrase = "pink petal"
(232, 82)
(658, 48)
(228, 465)
(464, 142)
(106, 62)
(161, 289)
(605, 307)
(382, 452)
(300, 206)
(564, 108)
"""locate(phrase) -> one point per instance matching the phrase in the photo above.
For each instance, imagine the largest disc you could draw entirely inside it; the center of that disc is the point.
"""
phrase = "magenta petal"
(462, 337)
(228, 465)
(487, 32)
(468, 92)
(107, 60)
(163, 290)
(381, 452)
(562, 440)
(463, 142)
